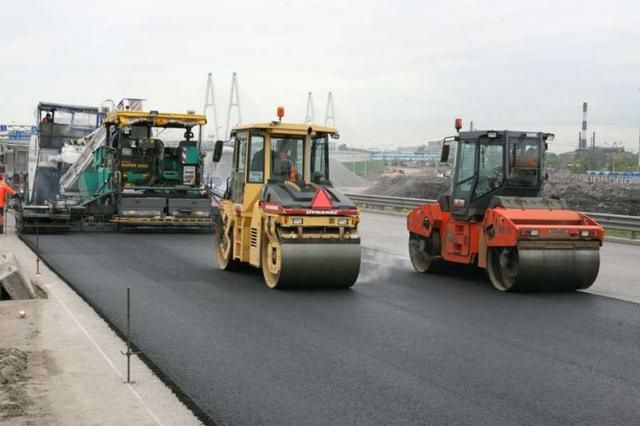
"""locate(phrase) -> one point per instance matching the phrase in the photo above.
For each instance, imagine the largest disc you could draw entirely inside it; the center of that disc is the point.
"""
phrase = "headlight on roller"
(343, 221)
(297, 221)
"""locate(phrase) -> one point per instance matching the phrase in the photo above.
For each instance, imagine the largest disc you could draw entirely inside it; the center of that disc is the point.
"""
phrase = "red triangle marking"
(321, 200)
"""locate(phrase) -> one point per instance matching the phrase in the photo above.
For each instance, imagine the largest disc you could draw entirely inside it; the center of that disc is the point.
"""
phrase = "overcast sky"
(400, 71)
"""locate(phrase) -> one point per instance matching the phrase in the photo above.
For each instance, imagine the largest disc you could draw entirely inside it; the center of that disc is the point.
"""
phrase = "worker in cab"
(283, 166)
(48, 119)
(525, 165)
(526, 158)
(5, 192)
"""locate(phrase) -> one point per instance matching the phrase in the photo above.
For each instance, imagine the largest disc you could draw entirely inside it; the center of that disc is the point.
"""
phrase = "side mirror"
(217, 151)
(444, 156)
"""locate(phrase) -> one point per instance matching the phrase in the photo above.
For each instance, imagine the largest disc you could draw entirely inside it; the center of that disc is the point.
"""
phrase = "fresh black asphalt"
(398, 348)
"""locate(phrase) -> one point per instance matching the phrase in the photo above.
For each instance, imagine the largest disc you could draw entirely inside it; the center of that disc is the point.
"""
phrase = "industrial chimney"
(583, 134)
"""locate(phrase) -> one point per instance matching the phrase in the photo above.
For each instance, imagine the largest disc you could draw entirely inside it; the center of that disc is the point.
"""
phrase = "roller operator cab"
(494, 218)
(281, 213)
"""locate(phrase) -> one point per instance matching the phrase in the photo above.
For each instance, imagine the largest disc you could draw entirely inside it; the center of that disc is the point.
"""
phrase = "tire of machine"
(422, 253)
(223, 247)
(310, 265)
(514, 270)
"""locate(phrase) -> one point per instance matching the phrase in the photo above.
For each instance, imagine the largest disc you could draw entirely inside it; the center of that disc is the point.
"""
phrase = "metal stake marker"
(37, 249)
(129, 352)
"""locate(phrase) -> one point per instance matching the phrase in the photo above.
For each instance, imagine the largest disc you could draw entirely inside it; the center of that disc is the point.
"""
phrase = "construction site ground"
(600, 197)
(62, 364)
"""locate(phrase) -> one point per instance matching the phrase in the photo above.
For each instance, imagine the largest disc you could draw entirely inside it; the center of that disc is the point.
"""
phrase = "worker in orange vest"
(286, 161)
(5, 190)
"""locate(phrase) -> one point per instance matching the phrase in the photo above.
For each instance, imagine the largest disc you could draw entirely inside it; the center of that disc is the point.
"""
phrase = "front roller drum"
(539, 269)
(310, 264)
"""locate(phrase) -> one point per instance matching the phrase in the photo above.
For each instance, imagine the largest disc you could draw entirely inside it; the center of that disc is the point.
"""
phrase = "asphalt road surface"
(398, 348)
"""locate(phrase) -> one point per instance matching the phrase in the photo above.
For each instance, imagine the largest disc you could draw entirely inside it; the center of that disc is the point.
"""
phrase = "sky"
(400, 71)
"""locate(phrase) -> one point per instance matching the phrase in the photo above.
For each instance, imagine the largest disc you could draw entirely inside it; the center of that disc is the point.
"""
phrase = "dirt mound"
(13, 397)
(599, 197)
(410, 186)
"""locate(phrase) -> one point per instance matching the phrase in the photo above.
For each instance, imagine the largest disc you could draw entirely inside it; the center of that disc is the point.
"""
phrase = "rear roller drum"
(513, 269)
(424, 254)
(223, 245)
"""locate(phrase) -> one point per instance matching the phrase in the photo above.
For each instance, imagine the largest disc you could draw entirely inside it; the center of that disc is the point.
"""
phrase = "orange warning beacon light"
(458, 124)
(280, 113)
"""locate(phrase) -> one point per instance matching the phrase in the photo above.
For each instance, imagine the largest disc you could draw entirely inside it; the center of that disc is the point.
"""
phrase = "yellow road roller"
(280, 211)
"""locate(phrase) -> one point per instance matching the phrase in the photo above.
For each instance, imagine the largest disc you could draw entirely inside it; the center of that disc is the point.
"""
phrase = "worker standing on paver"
(5, 191)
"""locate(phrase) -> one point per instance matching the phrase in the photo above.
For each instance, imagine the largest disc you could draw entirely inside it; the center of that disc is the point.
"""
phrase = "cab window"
(524, 161)
(286, 158)
(256, 156)
(241, 151)
(465, 169)
(237, 177)
(319, 160)
(490, 167)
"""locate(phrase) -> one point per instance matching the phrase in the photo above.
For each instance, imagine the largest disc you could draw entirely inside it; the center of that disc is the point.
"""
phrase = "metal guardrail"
(608, 221)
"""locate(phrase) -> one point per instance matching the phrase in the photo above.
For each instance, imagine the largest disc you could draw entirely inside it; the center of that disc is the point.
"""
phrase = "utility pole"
(330, 114)
(210, 101)
(309, 117)
(234, 101)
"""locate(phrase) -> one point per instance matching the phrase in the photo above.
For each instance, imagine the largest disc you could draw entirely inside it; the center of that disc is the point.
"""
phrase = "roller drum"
(540, 269)
(316, 265)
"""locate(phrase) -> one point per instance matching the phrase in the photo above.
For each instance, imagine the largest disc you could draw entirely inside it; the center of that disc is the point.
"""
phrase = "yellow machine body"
(299, 230)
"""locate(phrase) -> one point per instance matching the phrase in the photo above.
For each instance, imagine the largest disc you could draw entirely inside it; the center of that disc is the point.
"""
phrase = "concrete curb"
(13, 280)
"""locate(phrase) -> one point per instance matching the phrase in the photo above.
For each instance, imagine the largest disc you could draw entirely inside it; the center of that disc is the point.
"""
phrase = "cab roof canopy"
(286, 128)
(52, 106)
(154, 118)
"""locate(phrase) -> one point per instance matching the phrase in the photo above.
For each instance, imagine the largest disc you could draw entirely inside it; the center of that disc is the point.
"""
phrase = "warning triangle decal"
(321, 200)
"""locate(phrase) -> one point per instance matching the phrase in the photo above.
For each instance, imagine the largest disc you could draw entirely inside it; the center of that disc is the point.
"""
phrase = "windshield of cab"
(287, 159)
(524, 161)
(488, 154)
